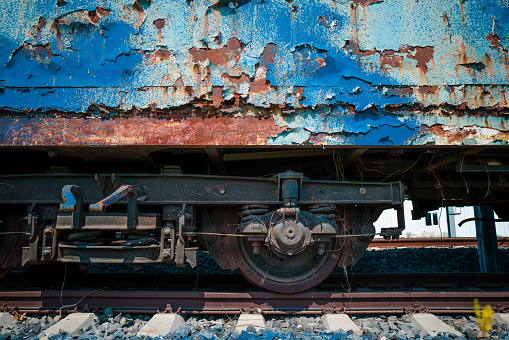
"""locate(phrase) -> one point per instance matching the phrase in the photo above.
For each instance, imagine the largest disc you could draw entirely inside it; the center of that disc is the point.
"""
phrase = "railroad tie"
(430, 324)
(161, 324)
(72, 324)
(246, 320)
(336, 322)
(502, 318)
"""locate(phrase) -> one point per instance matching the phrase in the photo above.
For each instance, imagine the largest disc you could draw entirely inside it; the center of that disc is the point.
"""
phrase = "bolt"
(166, 254)
(362, 191)
(256, 247)
(45, 253)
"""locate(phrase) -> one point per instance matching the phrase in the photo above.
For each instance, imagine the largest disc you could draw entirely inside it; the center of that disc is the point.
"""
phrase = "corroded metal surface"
(187, 72)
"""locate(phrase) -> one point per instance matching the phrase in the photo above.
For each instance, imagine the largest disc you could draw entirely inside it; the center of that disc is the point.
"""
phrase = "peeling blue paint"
(381, 74)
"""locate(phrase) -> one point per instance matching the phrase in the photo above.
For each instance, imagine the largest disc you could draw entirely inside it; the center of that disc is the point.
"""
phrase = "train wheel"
(9, 256)
(268, 270)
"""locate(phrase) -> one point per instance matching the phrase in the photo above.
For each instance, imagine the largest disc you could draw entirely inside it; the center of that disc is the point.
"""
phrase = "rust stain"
(221, 56)
(255, 85)
(494, 40)
(94, 17)
(353, 46)
(142, 131)
(422, 55)
(267, 56)
(217, 96)
(159, 24)
(365, 3)
(399, 91)
(41, 24)
(138, 7)
(425, 90)
(37, 52)
(388, 58)
(158, 56)
(447, 136)
(74, 17)
(102, 12)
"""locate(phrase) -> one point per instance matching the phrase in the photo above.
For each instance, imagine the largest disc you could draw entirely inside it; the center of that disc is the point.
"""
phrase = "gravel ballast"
(276, 328)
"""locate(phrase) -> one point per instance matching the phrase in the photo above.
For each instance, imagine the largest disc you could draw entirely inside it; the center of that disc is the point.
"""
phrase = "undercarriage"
(285, 218)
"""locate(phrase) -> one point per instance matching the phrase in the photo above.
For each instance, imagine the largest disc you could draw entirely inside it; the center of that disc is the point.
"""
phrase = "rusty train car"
(270, 133)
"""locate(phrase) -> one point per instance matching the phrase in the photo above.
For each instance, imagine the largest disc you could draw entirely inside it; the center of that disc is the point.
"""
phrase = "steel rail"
(439, 242)
(199, 302)
(172, 281)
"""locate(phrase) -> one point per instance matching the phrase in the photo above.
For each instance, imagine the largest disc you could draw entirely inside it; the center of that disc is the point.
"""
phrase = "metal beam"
(216, 157)
(352, 155)
(487, 245)
(450, 158)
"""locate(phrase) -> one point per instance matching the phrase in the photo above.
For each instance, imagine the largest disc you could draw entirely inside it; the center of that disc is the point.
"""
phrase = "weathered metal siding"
(207, 72)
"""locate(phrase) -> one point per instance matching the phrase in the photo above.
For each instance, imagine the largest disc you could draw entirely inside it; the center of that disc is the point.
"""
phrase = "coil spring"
(85, 238)
(327, 211)
(253, 210)
(91, 238)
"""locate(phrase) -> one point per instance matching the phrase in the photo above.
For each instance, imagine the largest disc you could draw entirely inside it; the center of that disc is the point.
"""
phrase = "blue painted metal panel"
(350, 72)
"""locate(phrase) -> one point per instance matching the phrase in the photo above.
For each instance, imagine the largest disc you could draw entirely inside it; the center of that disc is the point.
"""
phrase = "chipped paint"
(357, 72)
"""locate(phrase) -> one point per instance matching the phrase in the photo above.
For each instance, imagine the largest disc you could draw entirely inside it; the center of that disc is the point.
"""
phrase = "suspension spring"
(327, 211)
(252, 211)
(85, 238)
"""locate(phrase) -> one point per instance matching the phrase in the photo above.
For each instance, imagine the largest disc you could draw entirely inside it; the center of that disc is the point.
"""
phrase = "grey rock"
(371, 324)
(469, 332)
(371, 334)
(384, 326)
(406, 318)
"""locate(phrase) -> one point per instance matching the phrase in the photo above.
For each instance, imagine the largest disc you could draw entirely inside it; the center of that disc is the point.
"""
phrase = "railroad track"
(196, 302)
(439, 242)
(17, 281)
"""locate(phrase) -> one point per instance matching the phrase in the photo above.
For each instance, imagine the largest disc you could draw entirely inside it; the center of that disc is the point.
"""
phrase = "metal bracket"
(49, 253)
(183, 254)
(334, 310)
(169, 310)
(251, 310)
(73, 203)
(395, 233)
(501, 309)
(289, 187)
(132, 204)
(416, 308)
(167, 255)
(33, 243)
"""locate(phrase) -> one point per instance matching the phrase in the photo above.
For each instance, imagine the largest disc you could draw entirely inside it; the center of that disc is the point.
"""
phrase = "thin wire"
(461, 169)
(74, 304)
(11, 232)
(63, 284)
(239, 235)
(388, 175)
(489, 181)
(62, 293)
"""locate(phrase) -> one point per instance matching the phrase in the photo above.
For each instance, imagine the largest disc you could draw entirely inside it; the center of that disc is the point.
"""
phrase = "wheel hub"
(284, 254)
(289, 238)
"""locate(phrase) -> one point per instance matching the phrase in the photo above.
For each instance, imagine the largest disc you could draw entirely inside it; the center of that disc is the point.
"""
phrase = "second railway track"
(199, 302)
